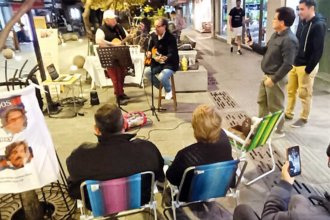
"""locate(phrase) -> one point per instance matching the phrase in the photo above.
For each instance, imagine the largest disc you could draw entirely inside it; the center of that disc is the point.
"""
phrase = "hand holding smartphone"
(293, 156)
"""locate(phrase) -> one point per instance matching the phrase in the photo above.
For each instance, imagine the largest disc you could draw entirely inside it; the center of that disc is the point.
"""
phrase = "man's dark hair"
(308, 3)
(12, 146)
(109, 119)
(173, 12)
(164, 21)
(287, 15)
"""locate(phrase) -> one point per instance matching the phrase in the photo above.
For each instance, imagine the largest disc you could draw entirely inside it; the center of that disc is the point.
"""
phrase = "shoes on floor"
(278, 134)
(124, 96)
(239, 52)
(168, 95)
(299, 123)
(121, 100)
(287, 118)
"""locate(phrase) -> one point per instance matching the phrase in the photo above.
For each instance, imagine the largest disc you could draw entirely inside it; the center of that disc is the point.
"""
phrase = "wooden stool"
(160, 96)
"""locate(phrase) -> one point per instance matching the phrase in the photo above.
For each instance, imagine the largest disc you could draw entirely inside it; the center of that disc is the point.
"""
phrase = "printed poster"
(27, 155)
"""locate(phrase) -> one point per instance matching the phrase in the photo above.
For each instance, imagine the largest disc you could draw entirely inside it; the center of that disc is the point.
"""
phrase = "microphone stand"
(152, 107)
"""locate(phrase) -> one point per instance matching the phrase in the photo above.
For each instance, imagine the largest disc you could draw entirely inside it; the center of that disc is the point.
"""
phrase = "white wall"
(202, 13)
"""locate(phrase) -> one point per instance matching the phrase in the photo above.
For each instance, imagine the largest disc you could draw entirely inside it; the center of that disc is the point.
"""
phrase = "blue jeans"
(163, 76)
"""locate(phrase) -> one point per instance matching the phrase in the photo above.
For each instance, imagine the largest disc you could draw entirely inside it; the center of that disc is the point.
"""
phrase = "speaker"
(94, 98)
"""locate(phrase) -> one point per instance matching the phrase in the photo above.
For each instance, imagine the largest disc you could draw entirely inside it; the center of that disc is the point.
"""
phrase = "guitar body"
(147, 61)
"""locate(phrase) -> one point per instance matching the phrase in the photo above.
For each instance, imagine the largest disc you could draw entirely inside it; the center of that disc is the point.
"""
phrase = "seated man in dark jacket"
(115, 155)
(164, 57)
(212, 145)
(281, 206)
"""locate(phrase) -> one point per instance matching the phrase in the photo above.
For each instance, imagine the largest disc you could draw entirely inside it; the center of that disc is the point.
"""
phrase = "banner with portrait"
(27, 155)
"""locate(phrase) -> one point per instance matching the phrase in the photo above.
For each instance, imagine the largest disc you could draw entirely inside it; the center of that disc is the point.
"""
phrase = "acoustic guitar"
(118, 42)
(147, 61)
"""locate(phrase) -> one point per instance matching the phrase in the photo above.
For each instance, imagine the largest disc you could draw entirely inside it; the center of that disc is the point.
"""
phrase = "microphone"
(151, 33)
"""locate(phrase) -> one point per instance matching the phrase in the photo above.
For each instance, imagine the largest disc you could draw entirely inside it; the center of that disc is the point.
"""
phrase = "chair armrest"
(234, 137)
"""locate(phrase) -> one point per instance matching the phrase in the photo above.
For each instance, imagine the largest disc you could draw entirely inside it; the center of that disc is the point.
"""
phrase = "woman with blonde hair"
(212, 144)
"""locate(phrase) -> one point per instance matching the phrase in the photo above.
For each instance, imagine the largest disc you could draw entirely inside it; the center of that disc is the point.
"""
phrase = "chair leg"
(173, 210)
(270, 171)
(174, 93)
(160, 97)
(154, 207)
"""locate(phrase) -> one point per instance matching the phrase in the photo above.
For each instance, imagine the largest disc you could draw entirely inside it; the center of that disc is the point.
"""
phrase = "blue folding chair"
(206, 183)
(117, 197)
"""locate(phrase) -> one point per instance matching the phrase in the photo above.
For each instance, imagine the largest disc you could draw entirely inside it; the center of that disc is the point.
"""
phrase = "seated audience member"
(282, 206)
(115, 155)
(212, 145)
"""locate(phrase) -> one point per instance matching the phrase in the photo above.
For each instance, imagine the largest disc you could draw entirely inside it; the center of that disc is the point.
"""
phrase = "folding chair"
(117, 197)
(207, 182)
(259, 135)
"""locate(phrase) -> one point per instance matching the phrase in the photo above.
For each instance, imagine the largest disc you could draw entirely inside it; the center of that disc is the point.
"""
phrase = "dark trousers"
(245, 212)
(117, 76)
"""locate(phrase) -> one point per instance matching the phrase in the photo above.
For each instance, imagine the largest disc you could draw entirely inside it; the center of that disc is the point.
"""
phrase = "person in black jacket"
(163, 52)
(115, 155)
(212, 145)
(311, 33)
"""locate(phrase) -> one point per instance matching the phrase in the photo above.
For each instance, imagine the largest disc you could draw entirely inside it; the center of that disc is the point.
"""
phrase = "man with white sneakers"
(163, 52)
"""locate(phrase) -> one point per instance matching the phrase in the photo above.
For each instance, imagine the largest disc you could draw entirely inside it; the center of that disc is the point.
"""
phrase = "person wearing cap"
(105, 35)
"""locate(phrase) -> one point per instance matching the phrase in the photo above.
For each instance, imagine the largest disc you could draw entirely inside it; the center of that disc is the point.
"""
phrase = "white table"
(93, 67)
(74, 81)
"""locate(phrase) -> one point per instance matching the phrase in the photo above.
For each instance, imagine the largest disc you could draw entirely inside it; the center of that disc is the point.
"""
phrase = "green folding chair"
(259, 135)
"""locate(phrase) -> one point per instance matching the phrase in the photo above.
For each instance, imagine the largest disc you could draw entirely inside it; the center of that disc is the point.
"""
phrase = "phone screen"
(293, 155)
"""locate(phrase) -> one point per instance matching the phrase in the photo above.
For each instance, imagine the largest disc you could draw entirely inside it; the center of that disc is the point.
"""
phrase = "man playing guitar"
(112, 33)
(163, 56)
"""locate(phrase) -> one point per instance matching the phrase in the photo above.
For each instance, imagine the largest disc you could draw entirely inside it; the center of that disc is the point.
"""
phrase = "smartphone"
(293, 156)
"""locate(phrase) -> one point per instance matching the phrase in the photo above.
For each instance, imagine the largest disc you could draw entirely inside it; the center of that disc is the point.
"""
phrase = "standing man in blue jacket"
(311, 32)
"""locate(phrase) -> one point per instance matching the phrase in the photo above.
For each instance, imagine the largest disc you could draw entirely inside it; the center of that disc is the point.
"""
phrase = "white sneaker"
(168, 95)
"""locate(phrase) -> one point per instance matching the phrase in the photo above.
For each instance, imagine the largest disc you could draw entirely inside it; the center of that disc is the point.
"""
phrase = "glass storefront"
(324, 9)
(224, 17)
(256, 15)
(254, 9)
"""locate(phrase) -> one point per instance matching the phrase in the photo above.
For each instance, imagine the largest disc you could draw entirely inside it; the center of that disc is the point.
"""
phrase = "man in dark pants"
(105, 36)
(278, 59)
(115, 155)
(311, 33)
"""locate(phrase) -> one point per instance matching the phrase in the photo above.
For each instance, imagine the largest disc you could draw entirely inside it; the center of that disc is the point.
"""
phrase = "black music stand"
(117, 56)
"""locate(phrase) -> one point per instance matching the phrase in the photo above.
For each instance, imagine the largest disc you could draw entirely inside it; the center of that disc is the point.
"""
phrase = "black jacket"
(311, 36)
(198, 154)
(167, 47)
(113, 32)
(112, 157)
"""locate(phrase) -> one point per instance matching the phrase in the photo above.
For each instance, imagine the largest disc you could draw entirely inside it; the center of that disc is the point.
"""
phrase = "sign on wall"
(27, 155)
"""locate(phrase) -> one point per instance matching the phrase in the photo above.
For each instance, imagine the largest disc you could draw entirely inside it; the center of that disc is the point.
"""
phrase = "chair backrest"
(116, 195)
(209, 181)
(264, 130)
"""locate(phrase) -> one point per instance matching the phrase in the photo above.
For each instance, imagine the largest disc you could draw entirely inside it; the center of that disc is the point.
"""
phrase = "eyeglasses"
(158, 26)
